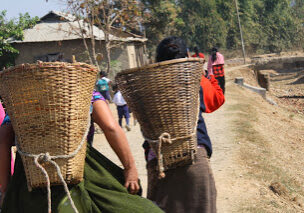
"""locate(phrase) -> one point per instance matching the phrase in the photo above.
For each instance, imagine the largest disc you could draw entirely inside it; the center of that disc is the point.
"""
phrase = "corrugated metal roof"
(66, 16)
(67, 30)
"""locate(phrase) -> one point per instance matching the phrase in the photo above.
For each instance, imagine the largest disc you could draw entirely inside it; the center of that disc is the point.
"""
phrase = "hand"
(131, 178)
(203, 72)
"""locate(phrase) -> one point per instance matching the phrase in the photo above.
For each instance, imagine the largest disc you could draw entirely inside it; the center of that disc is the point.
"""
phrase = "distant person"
(103, 86)
(122, 108)
(198, 54)
(216, 67)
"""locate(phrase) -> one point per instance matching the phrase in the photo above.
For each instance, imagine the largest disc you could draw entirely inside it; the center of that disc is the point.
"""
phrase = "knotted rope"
(46, 157)
(166, 138)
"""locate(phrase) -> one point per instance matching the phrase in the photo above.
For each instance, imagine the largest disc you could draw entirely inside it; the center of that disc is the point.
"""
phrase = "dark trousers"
(184, 189)
(123, 111)
(221, 82)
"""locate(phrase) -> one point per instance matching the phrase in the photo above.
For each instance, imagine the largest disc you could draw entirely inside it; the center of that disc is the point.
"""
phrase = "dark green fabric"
(101, 191)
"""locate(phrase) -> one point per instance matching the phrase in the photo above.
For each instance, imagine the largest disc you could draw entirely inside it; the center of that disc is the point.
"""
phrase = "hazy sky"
(33, 7)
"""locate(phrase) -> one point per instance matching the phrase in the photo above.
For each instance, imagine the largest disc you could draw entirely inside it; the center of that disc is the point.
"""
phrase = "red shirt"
(218, 70)
(213, 96)
(200, 55)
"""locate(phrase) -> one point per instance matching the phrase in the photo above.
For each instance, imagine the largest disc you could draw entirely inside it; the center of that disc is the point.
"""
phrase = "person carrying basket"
(188, 188)
(105, 188)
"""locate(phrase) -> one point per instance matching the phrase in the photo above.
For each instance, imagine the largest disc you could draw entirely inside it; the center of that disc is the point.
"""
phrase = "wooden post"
(242, 41)
(73, 59)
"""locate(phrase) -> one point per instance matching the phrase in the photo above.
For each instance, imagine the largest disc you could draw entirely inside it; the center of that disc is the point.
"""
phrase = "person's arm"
(110, 84)
(220, 58)
(115, 99)
(118, 141)
(209, 67)
(212, 93)
(7, 137)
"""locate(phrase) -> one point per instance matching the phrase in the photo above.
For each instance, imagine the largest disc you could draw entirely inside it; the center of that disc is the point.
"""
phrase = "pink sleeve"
(220, 58)
(2, 113)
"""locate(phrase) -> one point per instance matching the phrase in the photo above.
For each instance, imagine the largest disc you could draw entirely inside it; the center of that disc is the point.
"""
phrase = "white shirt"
(118, 99)
(106, 79)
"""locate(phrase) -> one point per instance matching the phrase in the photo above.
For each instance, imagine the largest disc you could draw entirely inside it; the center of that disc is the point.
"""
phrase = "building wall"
(132, 56)
(30, 51)
(141, 57)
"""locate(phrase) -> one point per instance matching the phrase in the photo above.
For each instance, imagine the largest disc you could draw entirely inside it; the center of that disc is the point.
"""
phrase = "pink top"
(2, 113)
(219, 60)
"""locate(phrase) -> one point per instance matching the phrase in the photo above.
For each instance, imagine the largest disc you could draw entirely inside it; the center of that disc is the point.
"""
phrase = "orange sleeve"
(213, 96)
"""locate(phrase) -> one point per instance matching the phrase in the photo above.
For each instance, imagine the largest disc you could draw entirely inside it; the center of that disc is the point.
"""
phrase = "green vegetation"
(268, 26)
(12, 29)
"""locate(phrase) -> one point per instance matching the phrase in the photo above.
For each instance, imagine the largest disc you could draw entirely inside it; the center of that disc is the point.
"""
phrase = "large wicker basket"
(165, 99)
(49, 105)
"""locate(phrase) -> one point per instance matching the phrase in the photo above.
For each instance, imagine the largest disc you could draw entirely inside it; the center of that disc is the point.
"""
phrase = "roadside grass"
(261, 163)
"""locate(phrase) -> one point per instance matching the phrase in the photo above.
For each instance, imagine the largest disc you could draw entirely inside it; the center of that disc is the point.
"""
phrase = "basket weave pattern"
(49, 104)
(165, 99)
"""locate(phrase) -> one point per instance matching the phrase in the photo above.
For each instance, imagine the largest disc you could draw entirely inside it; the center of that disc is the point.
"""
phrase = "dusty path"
(220, 129)
(219, 126)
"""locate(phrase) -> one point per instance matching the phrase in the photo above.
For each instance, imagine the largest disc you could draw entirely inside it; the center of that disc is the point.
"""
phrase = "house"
(57, 36)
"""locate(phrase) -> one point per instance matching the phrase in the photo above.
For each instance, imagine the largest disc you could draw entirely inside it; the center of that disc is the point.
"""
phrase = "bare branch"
(117, 16)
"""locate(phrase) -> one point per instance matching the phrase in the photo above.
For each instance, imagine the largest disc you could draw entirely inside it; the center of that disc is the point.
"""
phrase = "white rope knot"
(165, 138)
(46, 157)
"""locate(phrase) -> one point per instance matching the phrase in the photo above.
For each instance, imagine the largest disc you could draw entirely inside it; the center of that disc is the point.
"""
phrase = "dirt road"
(222, 162)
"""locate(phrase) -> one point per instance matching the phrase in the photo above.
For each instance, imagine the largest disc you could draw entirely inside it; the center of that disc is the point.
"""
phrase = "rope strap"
(164, 138)
(46, 157)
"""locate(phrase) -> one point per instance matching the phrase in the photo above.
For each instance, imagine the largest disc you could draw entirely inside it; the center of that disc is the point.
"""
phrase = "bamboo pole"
(240, 27)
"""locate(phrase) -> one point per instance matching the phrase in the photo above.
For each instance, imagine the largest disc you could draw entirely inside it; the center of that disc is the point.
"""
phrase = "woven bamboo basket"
(49, 105)
(165, 99)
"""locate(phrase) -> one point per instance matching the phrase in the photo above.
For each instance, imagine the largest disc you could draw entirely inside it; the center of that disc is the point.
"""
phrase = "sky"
(33, 7)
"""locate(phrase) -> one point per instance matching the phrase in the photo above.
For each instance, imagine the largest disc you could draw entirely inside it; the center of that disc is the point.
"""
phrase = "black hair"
(196, 51)
(213, 53)
(114, 87)
(102, 73)
(171, 48)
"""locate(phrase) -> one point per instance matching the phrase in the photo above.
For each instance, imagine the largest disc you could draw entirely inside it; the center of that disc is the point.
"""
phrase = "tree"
(12, 29)
(268, 26)
(204, 27)
(105, 14)
(161, 20)
(278, 24)
(297, 6)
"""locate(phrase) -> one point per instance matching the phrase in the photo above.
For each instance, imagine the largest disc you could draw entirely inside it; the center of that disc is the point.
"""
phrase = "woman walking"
(189, 188)
(105, 188)
(216, 67)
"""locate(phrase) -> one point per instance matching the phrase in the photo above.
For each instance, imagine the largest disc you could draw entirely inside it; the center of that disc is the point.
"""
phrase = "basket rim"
(27, 66)
(168, 62)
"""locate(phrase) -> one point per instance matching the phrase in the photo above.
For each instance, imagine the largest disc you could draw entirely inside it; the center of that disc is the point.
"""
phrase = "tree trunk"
(108, 56)
(108, 49)
(93, 45)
